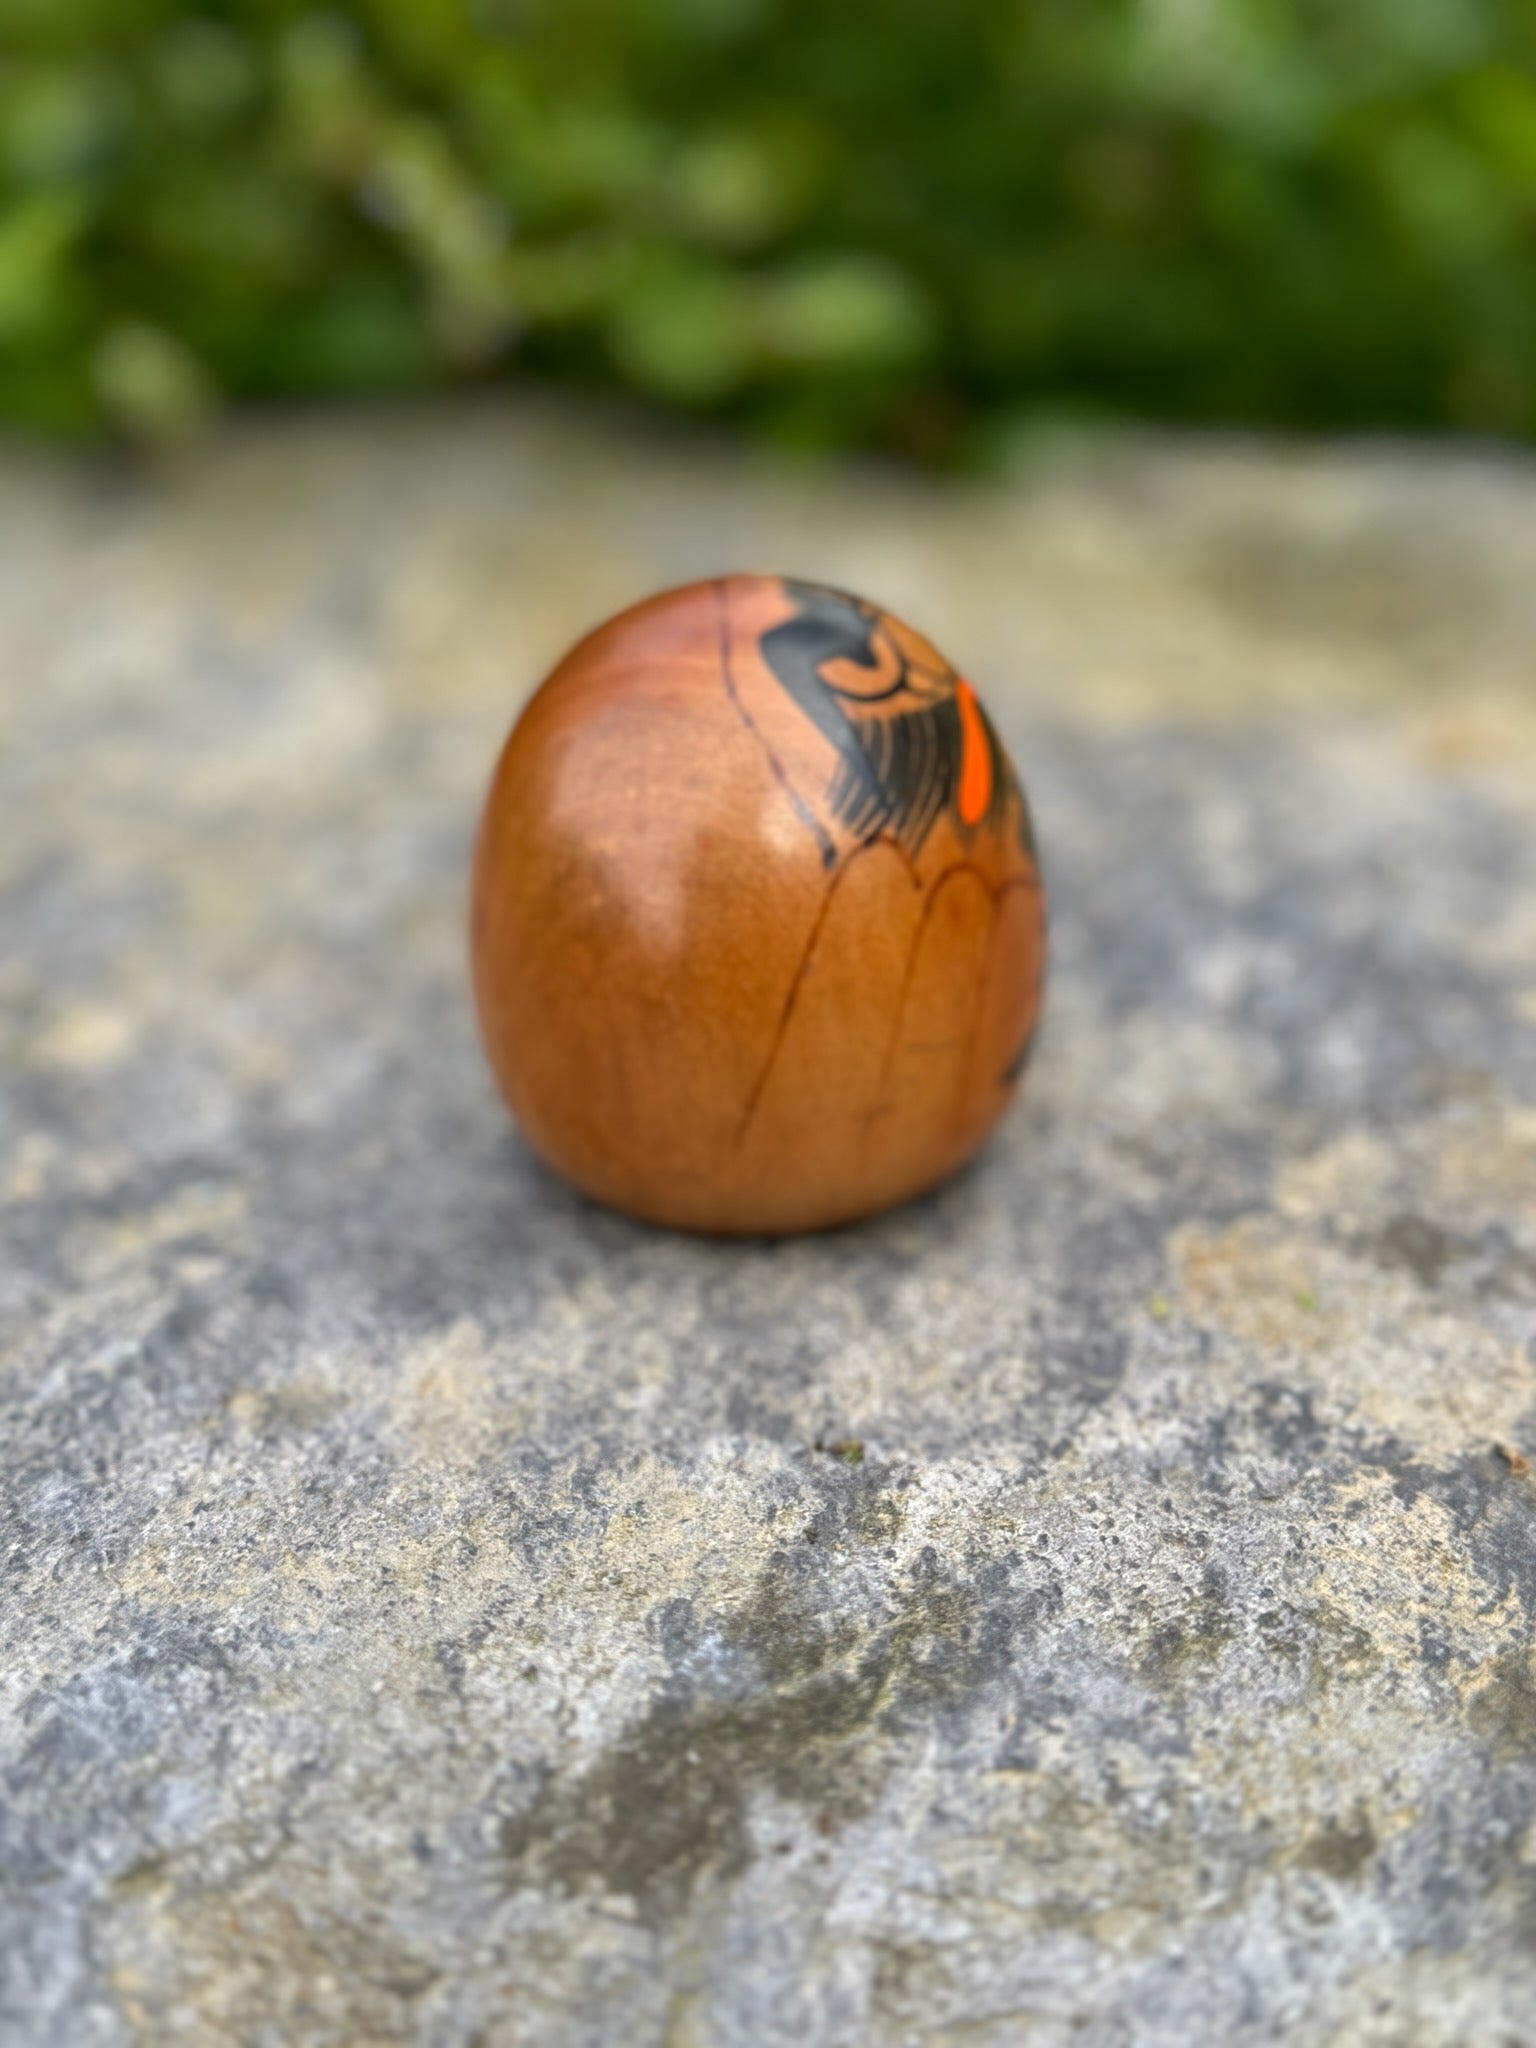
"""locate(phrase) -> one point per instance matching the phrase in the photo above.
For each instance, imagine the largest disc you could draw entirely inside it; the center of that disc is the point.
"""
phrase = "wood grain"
(708, 997)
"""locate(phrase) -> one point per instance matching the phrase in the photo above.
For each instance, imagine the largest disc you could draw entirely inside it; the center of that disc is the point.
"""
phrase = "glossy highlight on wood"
(758, 931)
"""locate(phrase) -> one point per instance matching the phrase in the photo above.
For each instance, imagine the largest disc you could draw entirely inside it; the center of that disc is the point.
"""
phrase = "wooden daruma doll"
(758, 929)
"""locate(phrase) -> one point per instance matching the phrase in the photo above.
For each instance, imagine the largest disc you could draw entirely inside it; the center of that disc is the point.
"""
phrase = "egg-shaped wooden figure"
(758, 927)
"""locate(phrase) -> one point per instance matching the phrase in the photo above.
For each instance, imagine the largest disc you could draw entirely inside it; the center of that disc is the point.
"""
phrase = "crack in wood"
(801, 808)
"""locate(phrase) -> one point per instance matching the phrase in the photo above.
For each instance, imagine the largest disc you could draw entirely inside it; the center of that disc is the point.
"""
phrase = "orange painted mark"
(975, 757)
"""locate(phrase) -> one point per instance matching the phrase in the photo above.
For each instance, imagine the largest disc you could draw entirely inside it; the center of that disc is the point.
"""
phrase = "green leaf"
(37, 237)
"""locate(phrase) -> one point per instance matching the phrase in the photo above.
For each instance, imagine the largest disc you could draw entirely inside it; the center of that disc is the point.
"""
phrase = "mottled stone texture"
(434, 1610)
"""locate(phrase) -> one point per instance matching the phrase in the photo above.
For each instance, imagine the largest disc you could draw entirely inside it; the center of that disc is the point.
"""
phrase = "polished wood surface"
(758, 929)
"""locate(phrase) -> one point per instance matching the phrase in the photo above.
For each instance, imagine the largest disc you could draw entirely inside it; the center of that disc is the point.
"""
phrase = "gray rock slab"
(432, 1611)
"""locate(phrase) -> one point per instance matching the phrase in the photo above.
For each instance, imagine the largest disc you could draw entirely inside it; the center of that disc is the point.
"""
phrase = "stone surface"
(1093, 1606)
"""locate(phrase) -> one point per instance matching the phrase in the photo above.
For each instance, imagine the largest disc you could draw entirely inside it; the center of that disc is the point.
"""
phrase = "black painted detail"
(1014, 1072)
(899, 741)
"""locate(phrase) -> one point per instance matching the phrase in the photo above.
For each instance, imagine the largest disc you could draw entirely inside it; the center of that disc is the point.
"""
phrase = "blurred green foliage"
(902, 223)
